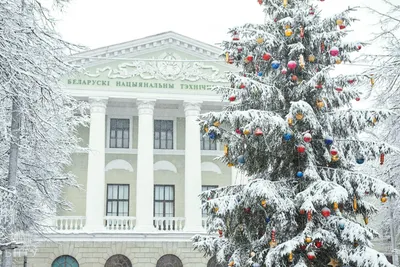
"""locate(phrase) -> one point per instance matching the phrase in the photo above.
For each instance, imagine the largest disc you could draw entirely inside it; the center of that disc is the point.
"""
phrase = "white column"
(192, 168)
(95, 190)
(145, 172)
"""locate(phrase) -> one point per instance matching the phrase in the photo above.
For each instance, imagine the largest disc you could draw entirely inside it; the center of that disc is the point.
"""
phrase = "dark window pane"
(163, 134)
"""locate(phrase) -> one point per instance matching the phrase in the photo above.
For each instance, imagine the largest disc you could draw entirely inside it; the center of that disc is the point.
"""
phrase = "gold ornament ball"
(246, 132)
(217, 124)
(335, 158)
(264, 203)
(288, 32)
(335, 206)
(338, 61)
(308, 239)
(311, 58)
(339, 22)
(383, 199)
(287, 26)
(320, 104)
(260, 40)
(216, 209)
(290, 121)
(206, 129)
(230, 164)
(299, 116)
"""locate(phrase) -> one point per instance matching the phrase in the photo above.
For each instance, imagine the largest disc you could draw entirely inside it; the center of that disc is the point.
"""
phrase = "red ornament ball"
(250, 58)
(318, 243)
(342, 27)
(258, 132)
(311, 255)
(232, 98)
(267, 56)
(307, 137)
(242, 86)
(238, 131)
(303, 247)
(339, 89)
(326, 212)
(301, 149)
(358, 98)
(318, 86)
(351, 81)
(334, 151)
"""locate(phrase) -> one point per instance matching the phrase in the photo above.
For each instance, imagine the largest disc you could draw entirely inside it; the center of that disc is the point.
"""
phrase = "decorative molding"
(145, 106)
(164, 165)
(192, 108)
(98, 105)
(210, 167)
(119, 164)
(166, 67)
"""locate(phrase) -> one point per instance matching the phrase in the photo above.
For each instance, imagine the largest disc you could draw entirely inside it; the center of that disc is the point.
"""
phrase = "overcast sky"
(96, 23)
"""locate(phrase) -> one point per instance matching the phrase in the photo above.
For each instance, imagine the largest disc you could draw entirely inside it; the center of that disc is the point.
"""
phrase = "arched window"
(169, 260)
(214, 263)
(118, 260)
(65, 261)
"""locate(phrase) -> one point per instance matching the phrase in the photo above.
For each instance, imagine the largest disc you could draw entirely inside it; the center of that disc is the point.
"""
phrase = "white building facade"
(147, 163)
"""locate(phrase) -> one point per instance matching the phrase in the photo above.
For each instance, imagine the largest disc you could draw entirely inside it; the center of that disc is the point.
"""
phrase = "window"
(207, 144)
(169, 260)
(164, 207)
(117, 200)
(118, 260)
(163, 134)
(214, 263)
(65, 261)
(206, 188)
(119, 133)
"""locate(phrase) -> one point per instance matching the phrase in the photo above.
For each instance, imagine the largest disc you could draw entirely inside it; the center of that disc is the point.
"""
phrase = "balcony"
(76, 224)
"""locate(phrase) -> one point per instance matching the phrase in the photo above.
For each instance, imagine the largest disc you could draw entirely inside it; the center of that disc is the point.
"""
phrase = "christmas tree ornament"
(320, 104)
(308, 239)
(307, 137)
(240, 49)
(383, 198)
(212, 135)
(252, 254)
(372, 80)
(260, 40)
(287, 136)
(329, 140)
(358, 98)
(338, 61)
(220, 232)
(263, 203)
(230, 164)
(216, 209)
(301, 61)
(311, 255)
(303, 246)
(311, 58)
(287, 26)
(258, 132)
(309, 215)
(275, 64)
(355, 243)
(292, 65)
(273, 242)
(267, 56)
(267, 219)
(333, 151)
(239, 131)
(339, 89)
(301, 148)
(290, 257)
(299, 116)
(205, 128)
(355, 205)
(311, 11)
(284, 71)
(246, 131)
(242, 86)
(260, 73)
(216, 123)
(290, 121)
(334, 51)
(301, 32)
(326, 212)
(302, 211)
(335, 206)
(339, 22)
(247, 210)
(285, 2)
(288, 32)
(294, 78)
(235, 36)
(232, 98)
(366, 219)
(241, 159)
(341, 225)
(322, 47)
(250, 58)
(260, 2)
(342, 27)
(351, 81)
(226, 56)
(360, 160)
(318, 86)
(382, 159)
(334, 263)
(226, 150)
(335, 158)
(299, 174)
(318, 243)
(231, 264)
(358, 46)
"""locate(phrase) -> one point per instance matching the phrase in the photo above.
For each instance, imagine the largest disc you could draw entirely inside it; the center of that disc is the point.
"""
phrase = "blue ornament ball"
(275, 64)
(267, 219)
(212, 135)
(360, 160)
(287, 136)
(241, 159)
(260, 73)
(299, 174)
(341, 225)
(328, 140)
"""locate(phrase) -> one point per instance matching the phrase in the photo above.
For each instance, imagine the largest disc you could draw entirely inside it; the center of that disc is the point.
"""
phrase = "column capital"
(98, 104)
(145, 106)
(192, 108)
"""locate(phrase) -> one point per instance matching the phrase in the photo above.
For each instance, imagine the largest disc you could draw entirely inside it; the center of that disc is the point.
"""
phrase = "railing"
(120, 222)
(69, 223)
(175, 224)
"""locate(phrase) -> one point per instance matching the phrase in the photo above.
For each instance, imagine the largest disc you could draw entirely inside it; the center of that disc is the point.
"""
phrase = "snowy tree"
(38, 121)
(292, 128)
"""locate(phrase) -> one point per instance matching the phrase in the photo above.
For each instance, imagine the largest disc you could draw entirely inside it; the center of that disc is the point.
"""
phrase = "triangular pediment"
(166, 60)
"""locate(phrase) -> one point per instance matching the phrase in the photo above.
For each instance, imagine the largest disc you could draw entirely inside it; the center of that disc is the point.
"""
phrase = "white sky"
(96, 23)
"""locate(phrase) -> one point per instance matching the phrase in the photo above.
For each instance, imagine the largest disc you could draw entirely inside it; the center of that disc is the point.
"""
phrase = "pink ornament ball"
(307, 137)
(292, 65)
(284, 71)
(334, 51)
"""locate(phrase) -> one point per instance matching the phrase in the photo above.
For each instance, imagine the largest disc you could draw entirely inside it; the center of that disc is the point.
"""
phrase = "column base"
(194, 229)
(145, 228)
(94, 228)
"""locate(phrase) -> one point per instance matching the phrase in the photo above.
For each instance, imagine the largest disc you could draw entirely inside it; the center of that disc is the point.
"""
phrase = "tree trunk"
(7, 256)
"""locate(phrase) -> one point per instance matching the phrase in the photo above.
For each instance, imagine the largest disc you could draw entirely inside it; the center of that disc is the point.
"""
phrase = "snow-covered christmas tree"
(291, 127)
